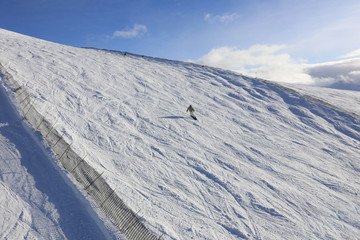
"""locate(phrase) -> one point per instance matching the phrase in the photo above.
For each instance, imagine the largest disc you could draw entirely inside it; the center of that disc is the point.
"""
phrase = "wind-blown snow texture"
(345, 99)
(260, 162)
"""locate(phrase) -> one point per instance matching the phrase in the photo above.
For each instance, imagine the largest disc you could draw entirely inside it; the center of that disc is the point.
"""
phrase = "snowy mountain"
(261, 162)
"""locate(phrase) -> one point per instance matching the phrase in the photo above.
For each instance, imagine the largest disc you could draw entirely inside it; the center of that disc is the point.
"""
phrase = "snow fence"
(106, 198)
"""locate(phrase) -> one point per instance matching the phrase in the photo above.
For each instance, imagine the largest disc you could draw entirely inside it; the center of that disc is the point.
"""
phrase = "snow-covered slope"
(260, 162)
(37, 200)
(345, 99)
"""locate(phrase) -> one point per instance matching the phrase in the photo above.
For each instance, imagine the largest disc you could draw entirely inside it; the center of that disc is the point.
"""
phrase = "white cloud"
(268, 62)
(136, 31)
(341, 74)
(226, 18)
(352, 54)
(273, 63)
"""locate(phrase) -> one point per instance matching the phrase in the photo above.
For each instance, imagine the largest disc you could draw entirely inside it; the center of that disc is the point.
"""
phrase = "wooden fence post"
(67, 149)
(94, 181)
(58, 140)
(28, 111)
(40, 123)
(51, 128)
(107, 198)
(82, 159)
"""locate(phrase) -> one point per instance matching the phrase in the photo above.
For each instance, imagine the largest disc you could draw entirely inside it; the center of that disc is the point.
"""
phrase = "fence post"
(28, 111)
(94, 181)
(40, 123)
(51, 128)
(26, 105)
(24, 99)
(21, 92)
(82, 159)
(67, 149)
(29, 102)
(58, 140)
(107, 198)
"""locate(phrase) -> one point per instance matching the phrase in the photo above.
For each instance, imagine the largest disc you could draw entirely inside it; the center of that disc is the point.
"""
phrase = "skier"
(191, 110)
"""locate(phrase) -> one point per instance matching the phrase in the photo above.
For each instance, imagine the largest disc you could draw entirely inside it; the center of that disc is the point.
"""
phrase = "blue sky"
(207, 31)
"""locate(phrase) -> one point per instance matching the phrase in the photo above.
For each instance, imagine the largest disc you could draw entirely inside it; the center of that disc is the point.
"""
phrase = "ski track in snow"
(260, 162)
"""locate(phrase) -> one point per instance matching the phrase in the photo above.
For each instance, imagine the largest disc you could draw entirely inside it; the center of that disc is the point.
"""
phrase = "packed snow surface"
(260, 163)
(37, 200)
(345, 99)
